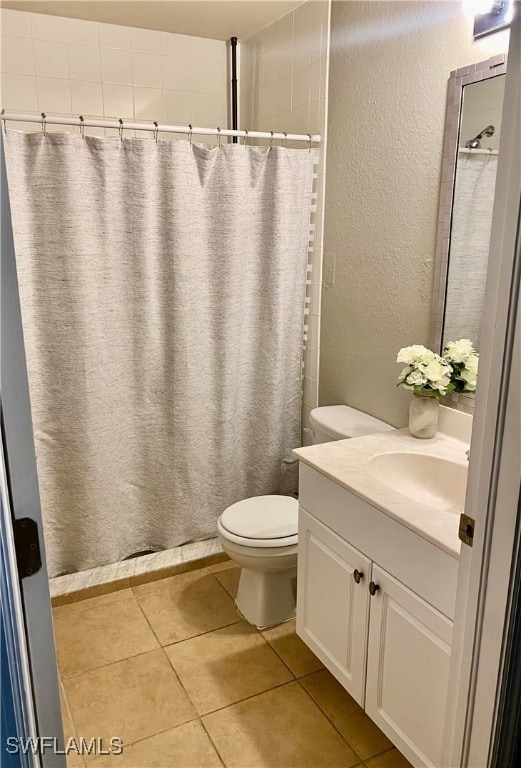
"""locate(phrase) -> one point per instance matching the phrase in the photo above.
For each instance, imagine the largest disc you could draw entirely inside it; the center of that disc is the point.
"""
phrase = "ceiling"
(202, 18)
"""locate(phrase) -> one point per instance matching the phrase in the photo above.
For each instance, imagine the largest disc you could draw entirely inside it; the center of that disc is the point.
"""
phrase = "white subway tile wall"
(69, 66)
(283, 87)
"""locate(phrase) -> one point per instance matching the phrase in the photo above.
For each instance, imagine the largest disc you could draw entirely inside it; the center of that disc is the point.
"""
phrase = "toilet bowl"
(261, 533)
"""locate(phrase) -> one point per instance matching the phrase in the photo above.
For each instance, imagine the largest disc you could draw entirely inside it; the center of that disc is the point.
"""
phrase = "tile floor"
(171, 668)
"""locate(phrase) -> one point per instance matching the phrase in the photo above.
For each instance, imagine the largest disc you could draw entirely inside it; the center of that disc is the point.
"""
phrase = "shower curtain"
(469, 247)
(163, 289)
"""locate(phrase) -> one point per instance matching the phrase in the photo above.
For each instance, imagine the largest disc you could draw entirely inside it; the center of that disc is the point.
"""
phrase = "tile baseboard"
(140, 570)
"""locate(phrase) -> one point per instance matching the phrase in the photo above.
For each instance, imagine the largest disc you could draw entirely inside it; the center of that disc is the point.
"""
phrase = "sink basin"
(433, 481)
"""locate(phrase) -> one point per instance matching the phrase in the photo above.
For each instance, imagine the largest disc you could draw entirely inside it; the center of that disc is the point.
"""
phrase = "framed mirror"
(470, 155)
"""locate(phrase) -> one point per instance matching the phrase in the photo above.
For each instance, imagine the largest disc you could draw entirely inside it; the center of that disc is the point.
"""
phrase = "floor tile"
(225, 666)
(90, 596)
(176, 580)
(355, 726)
(293, 652)
(281, 728)
(92, 602)
(131, 699)
(100, 635)
(186, 746)
(225, 565)
(185, 606)
(229, 579)
(164, 573)
(73, 759)
(391, 759)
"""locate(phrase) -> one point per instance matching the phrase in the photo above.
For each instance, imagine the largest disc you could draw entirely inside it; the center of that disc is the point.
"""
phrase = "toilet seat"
(261, 521)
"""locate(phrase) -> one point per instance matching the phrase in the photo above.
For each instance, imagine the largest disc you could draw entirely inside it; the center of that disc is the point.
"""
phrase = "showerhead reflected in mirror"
(473, 202)
(475, 143)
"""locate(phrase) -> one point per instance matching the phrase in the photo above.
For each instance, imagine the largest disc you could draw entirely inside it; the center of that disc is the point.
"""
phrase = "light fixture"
(490, 16)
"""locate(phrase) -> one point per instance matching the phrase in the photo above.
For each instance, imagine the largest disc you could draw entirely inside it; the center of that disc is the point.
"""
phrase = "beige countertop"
(346, 462)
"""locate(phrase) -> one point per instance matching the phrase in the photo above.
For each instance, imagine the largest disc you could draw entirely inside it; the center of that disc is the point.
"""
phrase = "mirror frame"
(484, 70)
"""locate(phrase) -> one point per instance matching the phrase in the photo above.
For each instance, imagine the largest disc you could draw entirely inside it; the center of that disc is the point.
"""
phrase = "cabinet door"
(332, 608)
(408, 670)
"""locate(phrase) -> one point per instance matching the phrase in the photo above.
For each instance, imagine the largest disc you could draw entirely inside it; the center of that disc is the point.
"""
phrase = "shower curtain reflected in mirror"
(163, 290)
(474, 188)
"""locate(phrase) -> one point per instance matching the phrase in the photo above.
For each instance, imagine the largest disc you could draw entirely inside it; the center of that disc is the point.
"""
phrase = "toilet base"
(267, 598)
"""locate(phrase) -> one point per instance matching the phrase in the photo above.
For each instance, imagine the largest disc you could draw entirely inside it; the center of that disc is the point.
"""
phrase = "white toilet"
(260, 533)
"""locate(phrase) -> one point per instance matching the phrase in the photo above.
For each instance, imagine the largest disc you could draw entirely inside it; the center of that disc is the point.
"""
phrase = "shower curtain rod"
(123, 125)
(467, 151)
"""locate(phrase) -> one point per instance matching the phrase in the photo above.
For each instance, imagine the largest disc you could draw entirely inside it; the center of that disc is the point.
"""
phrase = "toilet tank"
(338, 422)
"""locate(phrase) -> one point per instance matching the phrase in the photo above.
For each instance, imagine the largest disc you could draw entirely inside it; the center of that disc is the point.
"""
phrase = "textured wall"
(389, 65)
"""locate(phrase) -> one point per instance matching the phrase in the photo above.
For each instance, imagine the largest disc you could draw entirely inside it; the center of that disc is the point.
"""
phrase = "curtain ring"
(271, 140)
(156, 130)
(246, 138)
(120, 129)
(82, 127)
(219, 137)
(44, 122)
(190, 131)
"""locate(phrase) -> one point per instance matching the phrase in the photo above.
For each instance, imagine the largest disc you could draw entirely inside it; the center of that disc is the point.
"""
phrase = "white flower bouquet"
(464, 361)
(425, 372)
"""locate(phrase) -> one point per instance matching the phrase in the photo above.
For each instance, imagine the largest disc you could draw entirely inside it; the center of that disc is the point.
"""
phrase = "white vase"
(423, 416)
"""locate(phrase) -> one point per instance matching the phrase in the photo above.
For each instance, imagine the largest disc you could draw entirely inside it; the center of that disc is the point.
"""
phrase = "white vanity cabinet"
(376, 603)
(408, 656)
(333, 622)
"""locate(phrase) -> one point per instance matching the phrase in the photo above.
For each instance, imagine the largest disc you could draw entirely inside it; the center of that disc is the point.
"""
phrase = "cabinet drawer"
(425, 568)
(332, 606)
